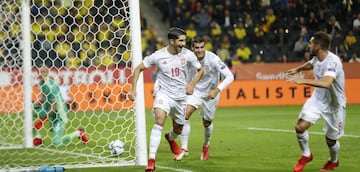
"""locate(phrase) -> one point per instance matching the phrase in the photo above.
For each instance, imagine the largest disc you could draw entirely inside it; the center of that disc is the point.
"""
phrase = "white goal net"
(88, 46)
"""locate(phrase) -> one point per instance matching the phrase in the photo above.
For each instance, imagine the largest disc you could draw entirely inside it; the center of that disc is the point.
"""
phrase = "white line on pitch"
(105, 158)
(291, 131)
(173, 169)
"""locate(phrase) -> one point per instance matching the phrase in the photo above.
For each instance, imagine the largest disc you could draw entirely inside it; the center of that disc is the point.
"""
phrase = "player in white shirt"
(327, 101)
(207, 93)
(171, 88)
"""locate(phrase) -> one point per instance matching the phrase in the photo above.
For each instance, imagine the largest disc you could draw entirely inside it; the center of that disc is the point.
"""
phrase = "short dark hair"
(197, 39)
(175, 32)
(323, 39)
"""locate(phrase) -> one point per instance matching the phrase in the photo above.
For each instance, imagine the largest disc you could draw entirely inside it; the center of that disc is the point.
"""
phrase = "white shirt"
(172, 71)
(213, 66)
(333, 97)
(356, 23)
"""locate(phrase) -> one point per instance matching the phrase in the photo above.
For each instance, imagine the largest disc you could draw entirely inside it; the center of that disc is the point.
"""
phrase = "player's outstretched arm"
(325, 82)
(136, 73)
(305, 66)
(191, 85)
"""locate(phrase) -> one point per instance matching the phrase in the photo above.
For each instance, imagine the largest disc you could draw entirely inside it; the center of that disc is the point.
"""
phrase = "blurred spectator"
(236, 7)
(215, 30)
(354, 58)
(126, 57)
(249, 6)
(226, 20)
(202, 20)
(347, 6)
(104, 34)
(243, 52)
(350, 40)
(224, 53)
(240, 31)
(62, 48)
(191, 32)
(144, 42)
(270, 18)
(333, 26)
(235, 61)
(191, 6)
(159, 43)
(151, 34)
(281, 39)
(248, 21)
(72, 61)
(265, 3)
(226, 41)
(208, 43)
(284, 58)
(312, 22)
(258, 37)
(300, 24)
(321, 17)
(120, 21)
(342, 52)
(299, 47)
(182, 18)
(356, 24)
(337, 39)
(104, 58)
(258, 59)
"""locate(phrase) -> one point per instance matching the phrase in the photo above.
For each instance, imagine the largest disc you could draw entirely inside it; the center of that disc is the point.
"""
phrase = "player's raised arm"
(136, 73)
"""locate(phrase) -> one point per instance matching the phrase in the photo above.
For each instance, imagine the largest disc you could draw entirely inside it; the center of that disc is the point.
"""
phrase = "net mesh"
(86, 45)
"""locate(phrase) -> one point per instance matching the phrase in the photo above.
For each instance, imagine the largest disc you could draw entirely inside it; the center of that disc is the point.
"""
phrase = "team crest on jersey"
(182, 61)
(206, 67)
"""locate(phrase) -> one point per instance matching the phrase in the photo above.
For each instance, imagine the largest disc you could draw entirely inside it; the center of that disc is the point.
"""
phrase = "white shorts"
(173, 108)
(208, 105)
(334, 120)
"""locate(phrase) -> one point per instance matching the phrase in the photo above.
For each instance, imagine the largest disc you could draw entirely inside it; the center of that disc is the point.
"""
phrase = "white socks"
(184, 137)
(172, 134)
(303, 140)
(334, 151)
(155, 138)
(207, 134)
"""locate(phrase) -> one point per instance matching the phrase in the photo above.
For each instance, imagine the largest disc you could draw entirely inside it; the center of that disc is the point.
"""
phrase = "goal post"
(90, 48)
(140, 100)
(26, 49)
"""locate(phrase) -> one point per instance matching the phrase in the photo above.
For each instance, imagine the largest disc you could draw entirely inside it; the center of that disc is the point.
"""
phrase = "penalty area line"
(291, 131)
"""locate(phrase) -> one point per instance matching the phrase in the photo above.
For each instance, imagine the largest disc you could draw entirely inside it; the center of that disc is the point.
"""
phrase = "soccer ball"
(116, 147)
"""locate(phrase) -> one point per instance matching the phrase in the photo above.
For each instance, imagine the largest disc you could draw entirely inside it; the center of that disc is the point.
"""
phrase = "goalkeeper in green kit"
(53, 108)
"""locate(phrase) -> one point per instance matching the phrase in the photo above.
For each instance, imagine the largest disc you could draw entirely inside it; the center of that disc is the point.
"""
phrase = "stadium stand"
(270, 28)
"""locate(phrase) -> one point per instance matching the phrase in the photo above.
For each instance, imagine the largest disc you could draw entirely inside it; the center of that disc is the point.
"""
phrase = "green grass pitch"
(245, 139)
(254, 139)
